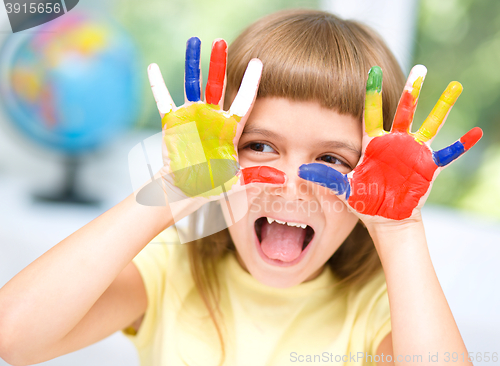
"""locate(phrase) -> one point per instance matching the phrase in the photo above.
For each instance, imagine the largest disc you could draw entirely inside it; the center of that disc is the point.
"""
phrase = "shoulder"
(163, 266)
(369, 304)
(373, 312)
(162, 261)
(375, 288)
(161, 249)
(165, 262)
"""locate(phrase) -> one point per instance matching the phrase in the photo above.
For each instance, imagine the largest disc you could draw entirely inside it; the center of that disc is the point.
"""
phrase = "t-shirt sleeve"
(152, 265)
(379, 317)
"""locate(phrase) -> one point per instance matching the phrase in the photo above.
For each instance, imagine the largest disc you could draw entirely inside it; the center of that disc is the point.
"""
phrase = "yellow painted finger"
(438, 114)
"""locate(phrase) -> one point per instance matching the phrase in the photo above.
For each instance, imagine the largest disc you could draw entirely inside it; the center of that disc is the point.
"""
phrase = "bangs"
(315, 56)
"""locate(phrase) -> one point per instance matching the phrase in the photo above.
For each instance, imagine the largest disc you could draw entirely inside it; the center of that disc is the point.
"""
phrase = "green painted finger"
(374, 122)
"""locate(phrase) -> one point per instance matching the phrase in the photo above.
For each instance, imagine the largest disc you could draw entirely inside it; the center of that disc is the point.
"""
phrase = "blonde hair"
(307, 55)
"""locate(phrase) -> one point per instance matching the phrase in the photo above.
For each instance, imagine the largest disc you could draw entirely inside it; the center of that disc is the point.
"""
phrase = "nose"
(295, 188)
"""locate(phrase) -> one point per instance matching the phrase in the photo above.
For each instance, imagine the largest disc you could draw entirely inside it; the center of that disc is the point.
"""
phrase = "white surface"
(394, 20)
(465, 249)
(28, 229)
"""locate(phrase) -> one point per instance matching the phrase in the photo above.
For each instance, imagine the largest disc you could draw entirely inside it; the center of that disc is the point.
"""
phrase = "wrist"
(392, 227)
(159, 216)
(394, 236)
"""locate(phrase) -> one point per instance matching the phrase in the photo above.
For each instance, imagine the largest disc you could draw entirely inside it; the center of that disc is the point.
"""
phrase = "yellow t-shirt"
(312, 323)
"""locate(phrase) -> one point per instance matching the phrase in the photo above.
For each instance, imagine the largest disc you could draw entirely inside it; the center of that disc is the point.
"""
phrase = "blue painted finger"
(192, 69)
(448, 154)
(326, 177)
(445, 156)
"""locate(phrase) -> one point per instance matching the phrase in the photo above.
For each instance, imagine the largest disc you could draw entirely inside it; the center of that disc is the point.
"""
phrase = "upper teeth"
(270, 220)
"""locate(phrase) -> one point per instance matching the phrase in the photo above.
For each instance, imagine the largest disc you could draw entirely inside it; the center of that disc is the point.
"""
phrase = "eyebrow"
(340, 145)
(331, 144)
(263, 132)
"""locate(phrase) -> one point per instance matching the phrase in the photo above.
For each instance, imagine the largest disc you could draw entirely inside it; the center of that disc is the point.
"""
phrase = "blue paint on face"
(326, 177)
(448, 154)
(192, 69)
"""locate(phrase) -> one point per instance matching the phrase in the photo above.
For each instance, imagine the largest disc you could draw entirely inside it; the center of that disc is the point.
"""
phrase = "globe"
(71, 84)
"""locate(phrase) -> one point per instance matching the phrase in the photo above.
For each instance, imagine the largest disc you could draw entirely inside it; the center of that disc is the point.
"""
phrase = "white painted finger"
(417, 71)
(248, 89)
(162, 97)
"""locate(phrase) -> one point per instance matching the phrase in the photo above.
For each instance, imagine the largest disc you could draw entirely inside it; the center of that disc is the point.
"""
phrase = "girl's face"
(285, 134)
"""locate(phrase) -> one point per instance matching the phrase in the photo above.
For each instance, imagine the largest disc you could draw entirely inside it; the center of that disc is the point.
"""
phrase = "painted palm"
(395, 173)
(200, 138)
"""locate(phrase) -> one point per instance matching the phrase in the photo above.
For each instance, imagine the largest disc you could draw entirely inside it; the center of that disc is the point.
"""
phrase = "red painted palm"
(397, 168)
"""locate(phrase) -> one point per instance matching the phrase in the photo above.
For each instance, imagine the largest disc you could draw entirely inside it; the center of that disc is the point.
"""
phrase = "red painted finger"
(263, 174)
(409, 98)
(471, 137)
(216, 72)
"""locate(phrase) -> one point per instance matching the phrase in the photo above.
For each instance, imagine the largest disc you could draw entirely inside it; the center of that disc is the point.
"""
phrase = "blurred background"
(75, 99)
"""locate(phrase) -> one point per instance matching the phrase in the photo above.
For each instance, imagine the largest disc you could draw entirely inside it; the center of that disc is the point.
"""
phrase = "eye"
(330, 159)
(260, 147)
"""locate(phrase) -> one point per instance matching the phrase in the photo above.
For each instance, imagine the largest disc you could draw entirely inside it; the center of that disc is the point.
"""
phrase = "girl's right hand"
(200, 139)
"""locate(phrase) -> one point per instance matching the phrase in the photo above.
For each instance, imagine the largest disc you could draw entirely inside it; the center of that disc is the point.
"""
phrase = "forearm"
(47, 299)
(422, 322)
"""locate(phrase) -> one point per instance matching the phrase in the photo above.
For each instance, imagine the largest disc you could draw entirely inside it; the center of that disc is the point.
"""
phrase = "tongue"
(282, 242)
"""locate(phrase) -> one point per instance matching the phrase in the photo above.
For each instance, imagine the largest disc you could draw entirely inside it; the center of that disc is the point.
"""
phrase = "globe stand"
(68, 193)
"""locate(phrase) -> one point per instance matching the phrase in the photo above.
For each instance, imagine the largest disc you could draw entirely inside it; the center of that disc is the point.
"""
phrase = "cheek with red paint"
(263, 174)
(394, 175)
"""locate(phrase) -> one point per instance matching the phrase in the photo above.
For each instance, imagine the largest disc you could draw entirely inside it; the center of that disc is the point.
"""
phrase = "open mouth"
(282, 241)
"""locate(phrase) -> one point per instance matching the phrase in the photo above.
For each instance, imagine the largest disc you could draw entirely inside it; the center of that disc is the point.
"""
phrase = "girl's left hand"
(395, 173)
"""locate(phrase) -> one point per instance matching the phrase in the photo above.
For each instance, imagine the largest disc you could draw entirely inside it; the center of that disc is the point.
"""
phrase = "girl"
(333, 215)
